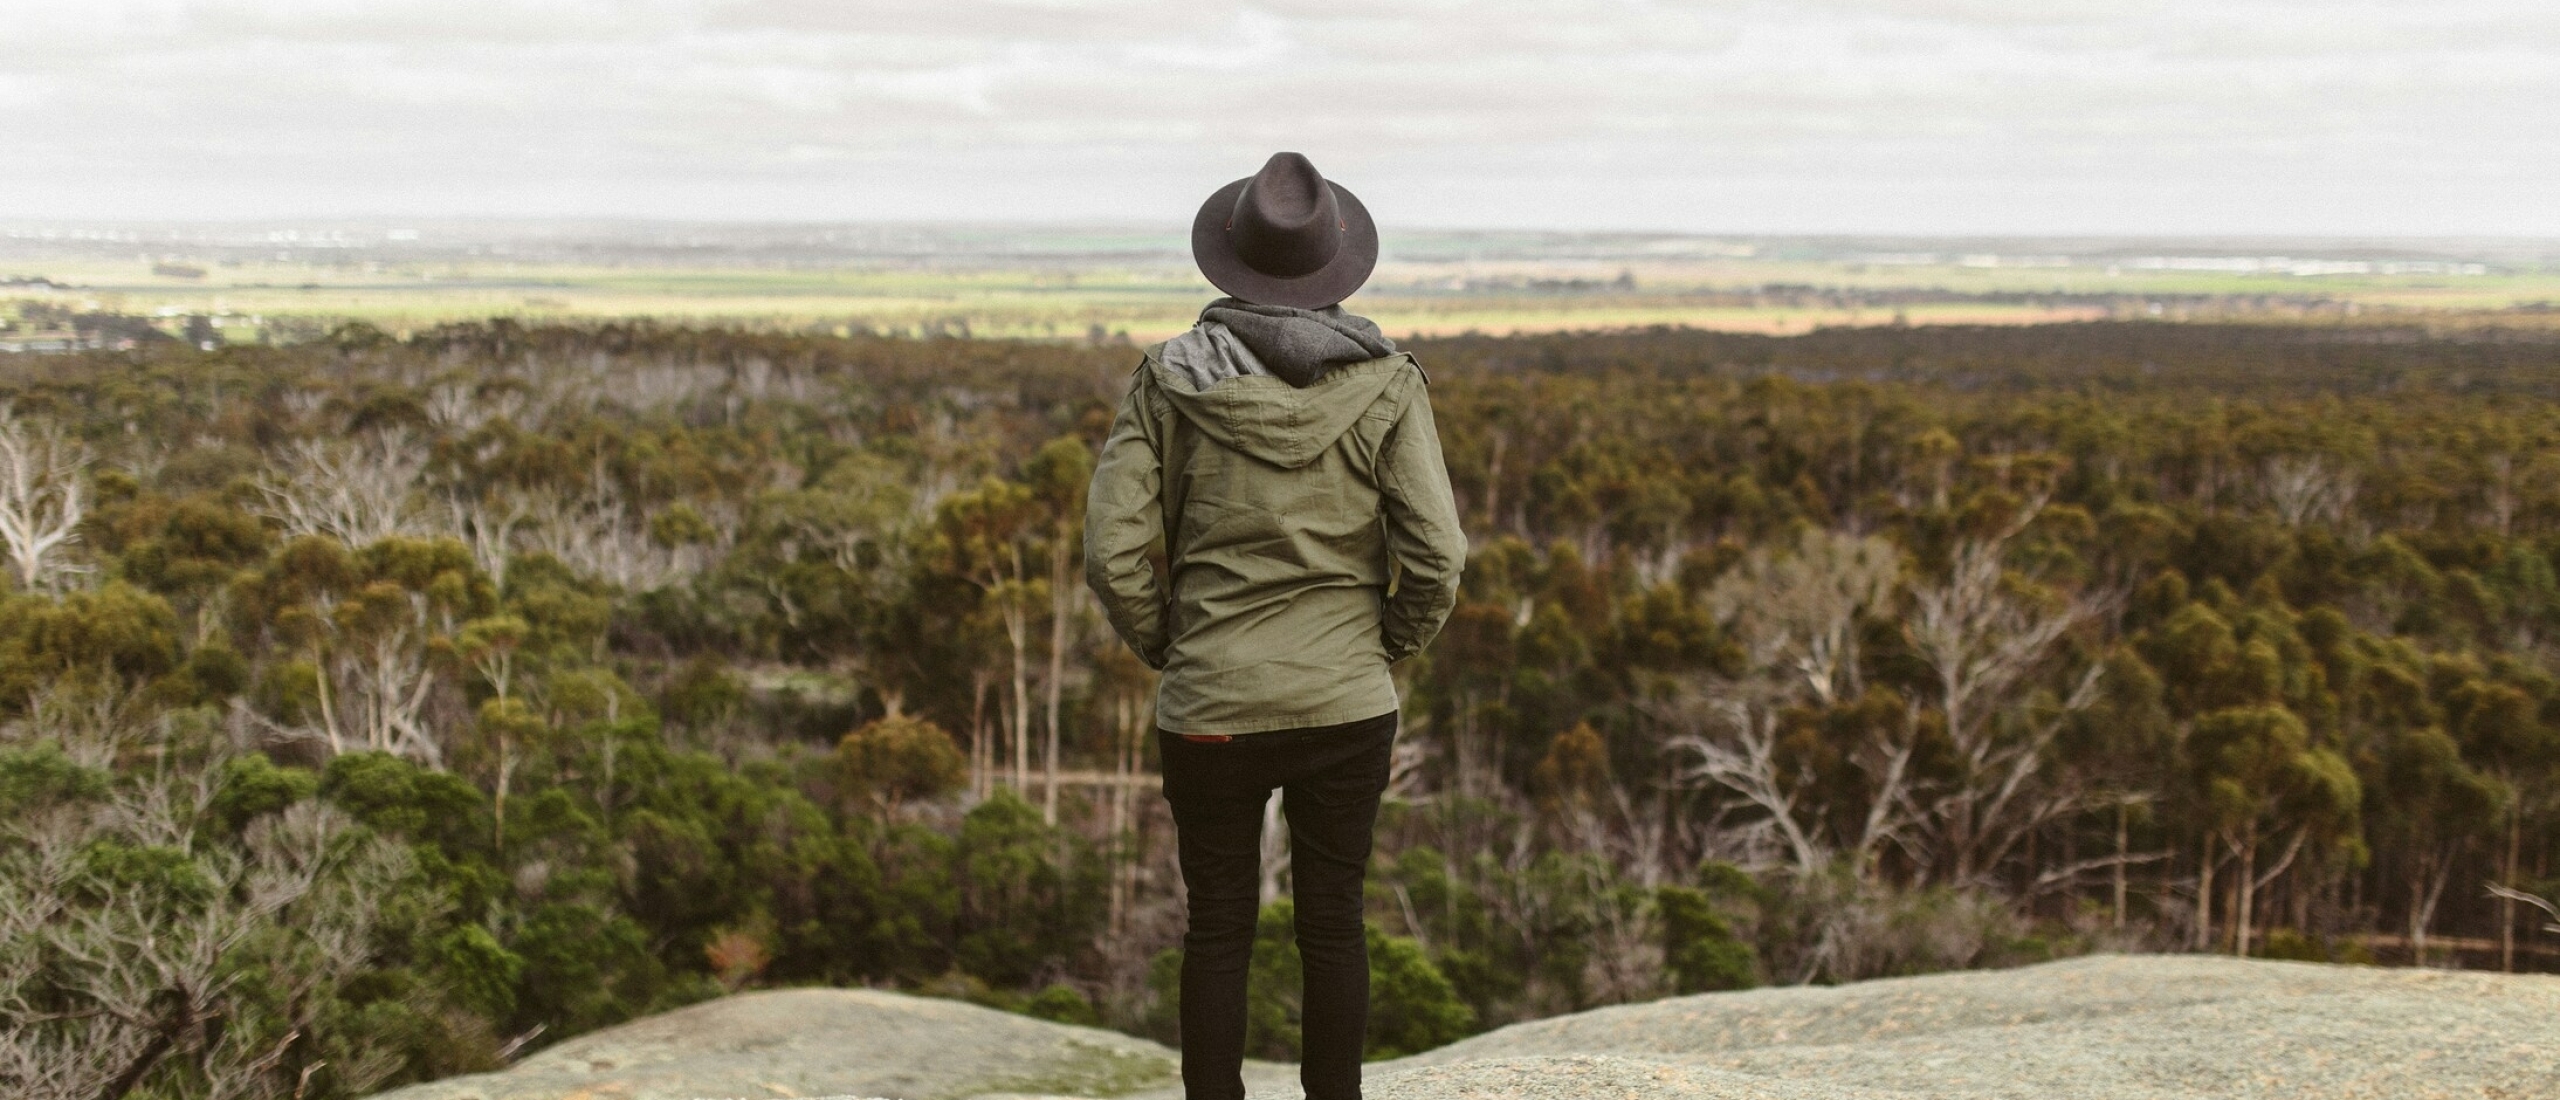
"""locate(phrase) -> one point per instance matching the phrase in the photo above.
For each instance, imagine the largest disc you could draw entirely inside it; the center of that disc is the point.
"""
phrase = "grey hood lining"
(1209, 354)
(1236, 339)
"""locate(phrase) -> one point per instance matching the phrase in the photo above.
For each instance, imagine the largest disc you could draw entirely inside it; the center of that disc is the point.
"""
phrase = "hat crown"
(1286, 221)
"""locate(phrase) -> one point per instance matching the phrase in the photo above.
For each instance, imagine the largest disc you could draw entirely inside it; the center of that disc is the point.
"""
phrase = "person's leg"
(1218, 837)
(1332, 810)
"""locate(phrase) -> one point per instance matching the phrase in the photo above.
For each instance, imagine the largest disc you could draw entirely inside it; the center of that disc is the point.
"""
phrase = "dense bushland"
(380, 709)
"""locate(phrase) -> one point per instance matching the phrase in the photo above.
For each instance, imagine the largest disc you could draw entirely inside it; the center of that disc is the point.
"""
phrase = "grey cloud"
(2154, 115)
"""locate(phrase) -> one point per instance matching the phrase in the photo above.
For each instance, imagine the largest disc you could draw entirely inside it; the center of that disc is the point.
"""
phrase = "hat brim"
(1316, 289)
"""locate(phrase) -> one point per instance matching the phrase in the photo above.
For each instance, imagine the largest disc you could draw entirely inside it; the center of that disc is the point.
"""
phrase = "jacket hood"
(1266, 417)
(1299, 345)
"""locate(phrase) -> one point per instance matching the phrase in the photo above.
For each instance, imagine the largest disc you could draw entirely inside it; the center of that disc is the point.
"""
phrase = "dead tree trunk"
(2204, 894)
(1061, 590)
(41, 504)
(2123, 808)
(2507, 904)
(1275, 849)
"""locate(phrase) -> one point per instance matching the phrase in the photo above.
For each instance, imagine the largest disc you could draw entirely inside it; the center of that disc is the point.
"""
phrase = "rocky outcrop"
(823, 1042)
(2101, 1028)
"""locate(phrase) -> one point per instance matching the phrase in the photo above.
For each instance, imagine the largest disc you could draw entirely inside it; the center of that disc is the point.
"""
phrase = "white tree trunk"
(357, 492)
(1275, 849)
(41, 499)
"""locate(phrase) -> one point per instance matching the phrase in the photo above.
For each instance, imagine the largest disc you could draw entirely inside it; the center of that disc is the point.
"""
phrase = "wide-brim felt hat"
(1285, 236)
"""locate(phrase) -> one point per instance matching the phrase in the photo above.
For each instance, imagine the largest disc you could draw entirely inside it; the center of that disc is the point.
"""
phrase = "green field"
(1150, 300)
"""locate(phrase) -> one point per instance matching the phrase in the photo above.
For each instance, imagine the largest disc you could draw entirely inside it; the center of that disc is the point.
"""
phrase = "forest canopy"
(374, 709)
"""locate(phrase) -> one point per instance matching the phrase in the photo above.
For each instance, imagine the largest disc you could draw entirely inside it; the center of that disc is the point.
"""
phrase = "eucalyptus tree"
(988, 537)
(2261, 773)
(2435, 806)
(2500, 726)
(359, 639)
(1057, 475)
(1984, 634)
(1794, 613)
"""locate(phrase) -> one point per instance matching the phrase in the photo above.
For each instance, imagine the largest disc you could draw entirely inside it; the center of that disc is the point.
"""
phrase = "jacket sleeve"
(1423, 537)
(1123, 518)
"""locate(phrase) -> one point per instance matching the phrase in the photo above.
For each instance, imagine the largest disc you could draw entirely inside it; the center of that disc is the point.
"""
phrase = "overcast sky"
(1908, 116)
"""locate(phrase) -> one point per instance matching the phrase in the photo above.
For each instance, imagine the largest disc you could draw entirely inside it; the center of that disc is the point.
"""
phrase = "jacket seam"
(1272, 724)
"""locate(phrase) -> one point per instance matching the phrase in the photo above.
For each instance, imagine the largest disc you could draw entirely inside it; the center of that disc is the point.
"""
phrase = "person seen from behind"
(1283, 454)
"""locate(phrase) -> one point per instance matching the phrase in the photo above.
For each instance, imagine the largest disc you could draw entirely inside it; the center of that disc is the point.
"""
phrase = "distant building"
(40, 340)
(60, 340)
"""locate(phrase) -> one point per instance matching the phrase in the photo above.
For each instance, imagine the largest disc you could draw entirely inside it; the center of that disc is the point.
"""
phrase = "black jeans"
(1329, 779)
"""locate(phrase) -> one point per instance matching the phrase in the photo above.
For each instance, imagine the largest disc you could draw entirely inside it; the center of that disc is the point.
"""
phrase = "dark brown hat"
(1285, 236)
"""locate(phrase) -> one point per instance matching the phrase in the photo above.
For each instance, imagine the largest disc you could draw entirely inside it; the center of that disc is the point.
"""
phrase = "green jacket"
(1311, 535)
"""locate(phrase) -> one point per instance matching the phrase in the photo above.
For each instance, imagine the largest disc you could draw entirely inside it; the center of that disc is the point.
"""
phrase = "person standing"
(1282, 452)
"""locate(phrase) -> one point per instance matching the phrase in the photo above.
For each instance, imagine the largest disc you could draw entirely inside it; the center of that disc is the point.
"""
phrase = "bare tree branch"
(42, 499)
(2548, 907)
(357, 492)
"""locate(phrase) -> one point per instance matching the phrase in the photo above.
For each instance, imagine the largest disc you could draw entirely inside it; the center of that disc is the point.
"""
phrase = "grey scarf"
(1296, 345)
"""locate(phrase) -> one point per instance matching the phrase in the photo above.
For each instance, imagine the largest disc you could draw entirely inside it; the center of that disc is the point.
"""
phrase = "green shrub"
(2295, 945)
(892, 760)
(1412, 1006)
(1699, 945)
(1010, 892)
(1274, 1001)
(1061, 1003)
(584, 968)
(481, 972)
(253, 785)
(42, 775)
(1163, 1018)
(396, 796)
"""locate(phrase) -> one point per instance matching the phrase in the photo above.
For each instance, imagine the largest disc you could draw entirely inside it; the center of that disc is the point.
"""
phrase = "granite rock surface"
(2100, 1028)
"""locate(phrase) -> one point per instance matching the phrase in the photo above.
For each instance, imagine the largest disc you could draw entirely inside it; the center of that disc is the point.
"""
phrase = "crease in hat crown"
(1285, 236)
(1286, 222)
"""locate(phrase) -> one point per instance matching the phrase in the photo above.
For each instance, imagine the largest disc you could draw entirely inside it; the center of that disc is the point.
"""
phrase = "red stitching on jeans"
(1205, 738)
